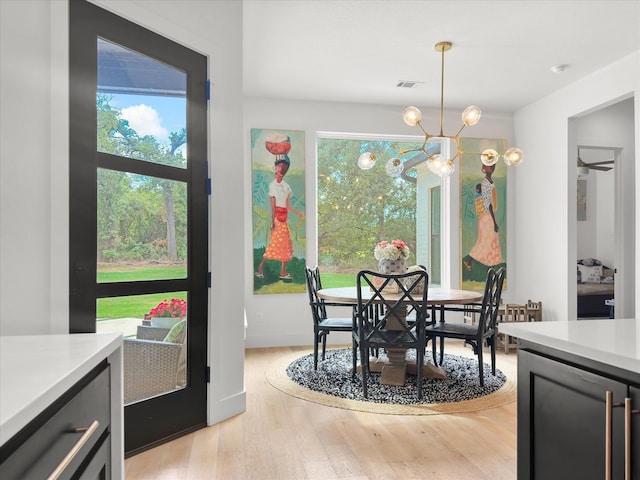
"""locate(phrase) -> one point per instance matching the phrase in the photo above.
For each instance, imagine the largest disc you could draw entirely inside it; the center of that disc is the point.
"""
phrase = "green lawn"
(137, 305)
(334, 280)
(128, 273)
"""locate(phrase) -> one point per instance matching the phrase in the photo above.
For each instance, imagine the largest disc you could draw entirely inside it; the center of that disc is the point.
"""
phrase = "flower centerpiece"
(172, 310)
(391, 256)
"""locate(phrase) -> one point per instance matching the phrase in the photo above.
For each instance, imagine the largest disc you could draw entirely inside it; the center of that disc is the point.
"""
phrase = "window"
(358, 208)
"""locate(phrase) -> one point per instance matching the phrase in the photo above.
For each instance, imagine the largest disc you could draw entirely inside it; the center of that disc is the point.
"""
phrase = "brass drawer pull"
(607, 441)
(627, 437)
(88, 431)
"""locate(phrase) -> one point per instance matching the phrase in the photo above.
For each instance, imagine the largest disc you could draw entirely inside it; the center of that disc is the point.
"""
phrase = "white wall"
(545, 203)
(25, 168)
(34, 170)
(285, 319)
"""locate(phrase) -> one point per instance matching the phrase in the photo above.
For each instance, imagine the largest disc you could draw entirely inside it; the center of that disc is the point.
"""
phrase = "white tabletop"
(36, 369)
(613, 342)
(435, 296)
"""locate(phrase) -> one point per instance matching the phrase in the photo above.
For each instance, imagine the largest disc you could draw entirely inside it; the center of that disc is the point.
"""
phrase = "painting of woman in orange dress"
(484, 211)
(278, 211)
(280, 247)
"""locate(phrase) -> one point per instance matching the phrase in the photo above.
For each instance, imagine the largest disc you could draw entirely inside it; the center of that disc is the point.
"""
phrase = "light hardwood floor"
(280, 437)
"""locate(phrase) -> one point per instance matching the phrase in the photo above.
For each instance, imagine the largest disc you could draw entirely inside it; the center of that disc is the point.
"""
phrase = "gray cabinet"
(71, 436)
(570, 413)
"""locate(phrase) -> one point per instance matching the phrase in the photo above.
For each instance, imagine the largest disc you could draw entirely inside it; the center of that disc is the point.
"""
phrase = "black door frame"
(169, 416)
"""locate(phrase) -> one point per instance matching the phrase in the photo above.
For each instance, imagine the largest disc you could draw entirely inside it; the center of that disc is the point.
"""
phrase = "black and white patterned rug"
(334, 378)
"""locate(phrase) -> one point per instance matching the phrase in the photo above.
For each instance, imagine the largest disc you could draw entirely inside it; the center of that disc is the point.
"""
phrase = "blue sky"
(152, 115)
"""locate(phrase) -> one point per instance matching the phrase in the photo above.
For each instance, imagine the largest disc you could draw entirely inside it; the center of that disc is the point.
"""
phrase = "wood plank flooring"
(280, 437)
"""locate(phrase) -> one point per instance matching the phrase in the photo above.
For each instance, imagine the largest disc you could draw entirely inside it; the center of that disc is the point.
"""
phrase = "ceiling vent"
(409, 84)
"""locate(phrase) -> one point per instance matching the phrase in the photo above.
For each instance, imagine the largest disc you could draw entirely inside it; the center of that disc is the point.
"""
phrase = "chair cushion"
(176, 334)
(345, 323)
(452, 328)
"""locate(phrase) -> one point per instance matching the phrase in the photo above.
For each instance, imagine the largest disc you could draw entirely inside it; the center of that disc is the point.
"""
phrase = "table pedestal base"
(394, 374)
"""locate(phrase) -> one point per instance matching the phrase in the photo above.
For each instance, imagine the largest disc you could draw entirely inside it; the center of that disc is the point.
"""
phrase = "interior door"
(138, 215)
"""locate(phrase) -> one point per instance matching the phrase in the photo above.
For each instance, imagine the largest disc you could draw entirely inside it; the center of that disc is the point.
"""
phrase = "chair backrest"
(318, 308)
(395, 295)
(534, 311)
(491, 300)
(515, 313)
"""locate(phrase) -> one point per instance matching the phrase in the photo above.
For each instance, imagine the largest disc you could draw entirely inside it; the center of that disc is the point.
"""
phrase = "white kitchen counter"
(614, 342)
(35, 370)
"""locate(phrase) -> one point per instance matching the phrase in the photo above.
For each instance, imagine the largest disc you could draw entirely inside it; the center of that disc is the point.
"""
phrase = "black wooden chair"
(394, 295)
(322, 324)
(483, 331)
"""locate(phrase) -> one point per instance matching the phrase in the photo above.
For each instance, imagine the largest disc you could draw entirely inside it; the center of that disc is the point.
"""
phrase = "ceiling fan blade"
(604, 162)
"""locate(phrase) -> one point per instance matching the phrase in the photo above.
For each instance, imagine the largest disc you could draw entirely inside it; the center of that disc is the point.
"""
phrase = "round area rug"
(334, 385)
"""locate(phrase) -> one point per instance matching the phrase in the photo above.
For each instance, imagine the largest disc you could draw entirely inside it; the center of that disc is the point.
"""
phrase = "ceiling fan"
(583, 167)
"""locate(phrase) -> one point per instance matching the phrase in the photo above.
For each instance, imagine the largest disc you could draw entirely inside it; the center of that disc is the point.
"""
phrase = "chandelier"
(436, 162)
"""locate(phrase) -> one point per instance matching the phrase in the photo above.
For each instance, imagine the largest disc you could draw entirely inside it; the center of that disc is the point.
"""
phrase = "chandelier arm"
(480, 153)
(461, 128)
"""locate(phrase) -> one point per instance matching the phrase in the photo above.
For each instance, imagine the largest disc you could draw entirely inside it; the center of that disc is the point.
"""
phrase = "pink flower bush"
(391, 250)
(174, 308)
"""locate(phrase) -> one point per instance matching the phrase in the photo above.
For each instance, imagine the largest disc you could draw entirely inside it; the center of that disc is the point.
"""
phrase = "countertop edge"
(528, 331)
(13, 423)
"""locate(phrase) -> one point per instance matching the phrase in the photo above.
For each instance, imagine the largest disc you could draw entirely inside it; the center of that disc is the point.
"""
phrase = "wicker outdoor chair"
(151, 366)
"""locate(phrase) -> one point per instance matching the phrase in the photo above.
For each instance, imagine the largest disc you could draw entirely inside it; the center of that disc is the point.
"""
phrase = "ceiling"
(358, 50)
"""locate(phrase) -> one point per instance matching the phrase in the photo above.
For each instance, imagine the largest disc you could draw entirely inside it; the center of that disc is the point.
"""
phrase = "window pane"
(154, 330)
(358, 208)
(142, 227)
(141, 107)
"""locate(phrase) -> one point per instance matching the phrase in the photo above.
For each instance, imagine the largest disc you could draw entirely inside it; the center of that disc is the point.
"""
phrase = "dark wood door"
(138, 214)
(561, 421)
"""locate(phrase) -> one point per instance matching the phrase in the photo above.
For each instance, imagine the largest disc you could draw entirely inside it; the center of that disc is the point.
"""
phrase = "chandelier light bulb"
(513, 156)
(394, 167)
(471, 115)
(366, 161)
(489, 157)
(433, 162)
(412, 116)
(447, 169)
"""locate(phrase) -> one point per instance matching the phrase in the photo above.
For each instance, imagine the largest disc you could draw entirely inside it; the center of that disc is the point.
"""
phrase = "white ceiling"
(358, 50)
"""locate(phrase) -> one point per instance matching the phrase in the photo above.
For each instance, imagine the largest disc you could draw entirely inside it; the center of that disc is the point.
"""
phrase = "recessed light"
(559, 68)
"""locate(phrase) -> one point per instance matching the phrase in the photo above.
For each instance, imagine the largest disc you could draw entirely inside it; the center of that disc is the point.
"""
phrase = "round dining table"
(393, 371)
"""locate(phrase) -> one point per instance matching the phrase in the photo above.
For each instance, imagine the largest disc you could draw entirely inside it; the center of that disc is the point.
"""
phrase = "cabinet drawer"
(42, 445)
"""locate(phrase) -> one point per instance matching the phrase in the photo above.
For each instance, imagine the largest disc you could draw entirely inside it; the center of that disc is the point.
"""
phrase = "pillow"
(176, 334)
(590, 274)
(590, 262)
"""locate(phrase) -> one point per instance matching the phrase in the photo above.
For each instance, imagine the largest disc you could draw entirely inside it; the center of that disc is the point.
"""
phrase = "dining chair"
(476, 335)
(393, 294)
(323, 324)
(534, 311)
(513, 312)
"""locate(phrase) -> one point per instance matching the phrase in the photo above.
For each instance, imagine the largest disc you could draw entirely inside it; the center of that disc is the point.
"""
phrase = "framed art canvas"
(483, 213)
(279, 241)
